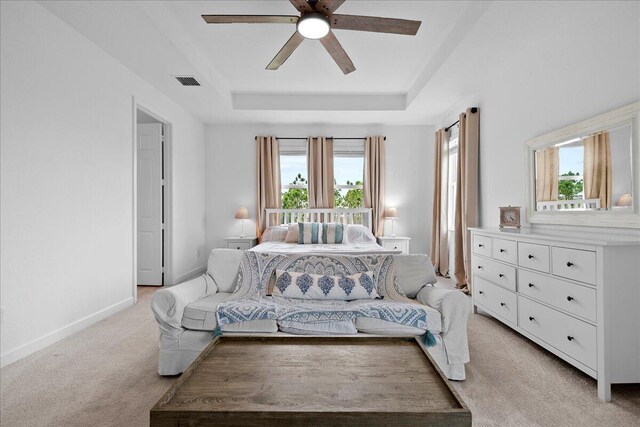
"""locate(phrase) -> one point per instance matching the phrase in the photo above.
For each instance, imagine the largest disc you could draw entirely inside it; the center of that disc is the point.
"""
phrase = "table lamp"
(392, 214)
(242, 214)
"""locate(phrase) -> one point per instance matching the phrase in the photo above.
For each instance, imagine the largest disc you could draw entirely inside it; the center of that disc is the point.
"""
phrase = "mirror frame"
(610, 218)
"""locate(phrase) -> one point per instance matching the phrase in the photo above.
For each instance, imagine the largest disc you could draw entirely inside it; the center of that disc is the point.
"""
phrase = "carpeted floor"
(106, 375)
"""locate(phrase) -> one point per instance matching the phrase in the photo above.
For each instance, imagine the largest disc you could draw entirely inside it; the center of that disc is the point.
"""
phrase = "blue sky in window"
(344, 168)
(571, 159)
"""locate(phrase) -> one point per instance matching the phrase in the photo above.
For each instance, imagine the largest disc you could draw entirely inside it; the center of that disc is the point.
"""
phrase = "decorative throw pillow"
(357, 233)
(277, 233)
(292, 233)
(309, 232)
(332, 232)
(301, 285)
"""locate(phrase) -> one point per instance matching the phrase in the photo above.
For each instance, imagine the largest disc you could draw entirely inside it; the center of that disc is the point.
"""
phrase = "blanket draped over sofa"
(252, 300)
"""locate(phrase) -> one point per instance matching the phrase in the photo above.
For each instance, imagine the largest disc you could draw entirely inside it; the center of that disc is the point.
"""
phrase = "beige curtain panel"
(267, 180)
(547, 171)
(320, 172)
(597, 168)
(374, 181)
(439, 225)
(466, 213)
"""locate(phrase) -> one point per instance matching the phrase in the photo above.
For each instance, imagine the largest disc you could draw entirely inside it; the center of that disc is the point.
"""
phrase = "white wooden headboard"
(342, 215)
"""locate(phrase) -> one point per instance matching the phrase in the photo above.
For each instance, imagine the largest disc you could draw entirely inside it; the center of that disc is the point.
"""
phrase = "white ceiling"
(393, 82)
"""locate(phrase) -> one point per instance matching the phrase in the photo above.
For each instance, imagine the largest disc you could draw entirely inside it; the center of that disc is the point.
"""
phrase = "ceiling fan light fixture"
(313, 26)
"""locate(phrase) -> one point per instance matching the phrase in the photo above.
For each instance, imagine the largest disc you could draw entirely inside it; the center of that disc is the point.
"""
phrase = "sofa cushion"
(200, 315)
(223, 268)
(413, 272)
(384, 327)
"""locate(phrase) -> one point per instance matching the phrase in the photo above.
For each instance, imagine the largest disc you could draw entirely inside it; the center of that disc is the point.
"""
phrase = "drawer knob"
(238, 247)
(481, 245)
(531, 319)
(479, 267)
(502, 304)
(531, 256)
(501, 275)
(570, 338)
(502, 250)
(395, 247)
(569, 298)
(480, 292)
(569, 264)
(531, 285)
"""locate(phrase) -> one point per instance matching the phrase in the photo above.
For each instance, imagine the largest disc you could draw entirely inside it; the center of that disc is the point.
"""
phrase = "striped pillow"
(332, 232)
(309, 232)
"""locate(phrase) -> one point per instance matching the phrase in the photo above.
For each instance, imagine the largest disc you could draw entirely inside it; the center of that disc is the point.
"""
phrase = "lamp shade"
(624, 200)
(391, 213)
(242, 213)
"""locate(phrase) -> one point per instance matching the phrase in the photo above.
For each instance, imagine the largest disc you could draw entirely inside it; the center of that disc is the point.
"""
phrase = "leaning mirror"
(586, 173)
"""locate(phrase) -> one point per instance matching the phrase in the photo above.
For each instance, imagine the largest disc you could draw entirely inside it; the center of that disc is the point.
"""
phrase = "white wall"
(231, 179)
(574, 61)
(67, 180)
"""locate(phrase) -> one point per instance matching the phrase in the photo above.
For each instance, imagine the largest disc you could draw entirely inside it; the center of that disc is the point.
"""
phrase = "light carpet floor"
(106, 375)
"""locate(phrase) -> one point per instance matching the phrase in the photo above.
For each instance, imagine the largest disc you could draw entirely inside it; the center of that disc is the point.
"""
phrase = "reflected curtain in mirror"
(439, 225)
(597, 168)
(320, 172)
(547, 172)
(374, 181)
(267, 180)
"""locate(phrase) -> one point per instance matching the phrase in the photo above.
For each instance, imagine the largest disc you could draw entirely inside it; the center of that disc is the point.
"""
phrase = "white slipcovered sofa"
(186, 313)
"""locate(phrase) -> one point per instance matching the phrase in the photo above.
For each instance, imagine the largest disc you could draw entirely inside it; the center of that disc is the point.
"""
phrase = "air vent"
(187, 80)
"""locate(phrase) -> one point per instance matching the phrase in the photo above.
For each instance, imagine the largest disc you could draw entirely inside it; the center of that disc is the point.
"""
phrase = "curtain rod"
(473, 110)
(331, 137)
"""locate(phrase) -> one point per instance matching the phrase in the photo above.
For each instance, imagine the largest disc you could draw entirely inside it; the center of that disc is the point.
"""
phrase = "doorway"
(151, 135)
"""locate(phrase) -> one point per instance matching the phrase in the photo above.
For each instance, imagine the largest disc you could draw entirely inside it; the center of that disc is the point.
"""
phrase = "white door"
(150, 204)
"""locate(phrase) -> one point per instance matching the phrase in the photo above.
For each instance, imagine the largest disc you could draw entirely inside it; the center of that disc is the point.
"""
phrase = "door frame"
(167, 192)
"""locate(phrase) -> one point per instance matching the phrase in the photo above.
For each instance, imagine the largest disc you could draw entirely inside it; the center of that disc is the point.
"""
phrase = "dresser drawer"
(498, 300)
(574, 264)
(482, 245)
(535, 257)
(396, 245)
(496, 272)
(505, 250)
(239, 245)
(567, 296)
(569, 335)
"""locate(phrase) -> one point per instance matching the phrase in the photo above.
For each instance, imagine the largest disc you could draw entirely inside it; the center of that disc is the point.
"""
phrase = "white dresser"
(577, 296)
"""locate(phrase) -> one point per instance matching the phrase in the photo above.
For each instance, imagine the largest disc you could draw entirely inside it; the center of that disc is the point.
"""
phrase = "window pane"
(570, 183)
(293, 170)
(348, 171)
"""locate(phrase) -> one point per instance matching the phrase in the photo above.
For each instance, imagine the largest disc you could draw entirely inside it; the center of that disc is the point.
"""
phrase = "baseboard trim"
(198, 271)
(59, 334)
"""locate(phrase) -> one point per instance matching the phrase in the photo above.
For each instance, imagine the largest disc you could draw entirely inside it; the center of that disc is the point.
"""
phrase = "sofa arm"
(168, 304)
(455, 308)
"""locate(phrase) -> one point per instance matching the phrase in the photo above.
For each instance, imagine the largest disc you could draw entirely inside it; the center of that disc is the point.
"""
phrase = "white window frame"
(452, 182)
(348, 148)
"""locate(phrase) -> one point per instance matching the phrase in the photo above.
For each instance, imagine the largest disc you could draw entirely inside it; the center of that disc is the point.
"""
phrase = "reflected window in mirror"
(589, 172)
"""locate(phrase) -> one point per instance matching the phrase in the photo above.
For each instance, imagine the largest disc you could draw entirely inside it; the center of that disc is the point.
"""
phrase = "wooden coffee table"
(311, 381)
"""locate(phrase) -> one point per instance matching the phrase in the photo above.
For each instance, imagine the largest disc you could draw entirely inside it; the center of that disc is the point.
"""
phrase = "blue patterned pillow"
(302, 285)
(309, 232)
(332, 232)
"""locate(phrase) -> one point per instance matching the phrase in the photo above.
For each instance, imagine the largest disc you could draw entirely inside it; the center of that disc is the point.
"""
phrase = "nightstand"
(398, 243)
(241, 242)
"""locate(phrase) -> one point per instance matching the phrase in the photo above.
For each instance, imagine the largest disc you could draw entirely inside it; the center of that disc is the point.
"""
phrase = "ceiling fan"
(316, 21)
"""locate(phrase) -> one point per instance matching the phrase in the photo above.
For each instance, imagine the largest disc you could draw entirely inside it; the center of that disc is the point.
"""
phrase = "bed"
(358, 238)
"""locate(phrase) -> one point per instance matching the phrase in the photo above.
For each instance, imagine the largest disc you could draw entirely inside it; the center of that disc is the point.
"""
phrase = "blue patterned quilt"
(251, 299)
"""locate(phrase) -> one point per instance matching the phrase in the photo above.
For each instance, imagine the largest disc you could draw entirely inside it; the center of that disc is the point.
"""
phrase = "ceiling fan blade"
(333, 46)
(375, 24)
(327, 7)
(286, 51)
(302, 6)
(250, 19)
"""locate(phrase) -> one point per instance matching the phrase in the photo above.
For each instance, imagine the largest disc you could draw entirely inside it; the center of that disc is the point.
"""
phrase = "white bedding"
(337, 249)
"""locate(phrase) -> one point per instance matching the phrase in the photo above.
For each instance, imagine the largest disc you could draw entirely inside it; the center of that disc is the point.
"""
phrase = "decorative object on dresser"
(601, 187)
(242, 214)
(391, 214)
(510, 216)
(241, 242)
(575, 295)
(396, 243)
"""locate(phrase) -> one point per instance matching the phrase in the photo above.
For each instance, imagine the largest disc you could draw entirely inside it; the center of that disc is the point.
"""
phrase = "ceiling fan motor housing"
(313, 25)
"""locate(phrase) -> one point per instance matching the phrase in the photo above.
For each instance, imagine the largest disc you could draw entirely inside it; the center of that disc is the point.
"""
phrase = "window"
(348, 171)
(453, 175)
(570, 181)
(293, 174)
